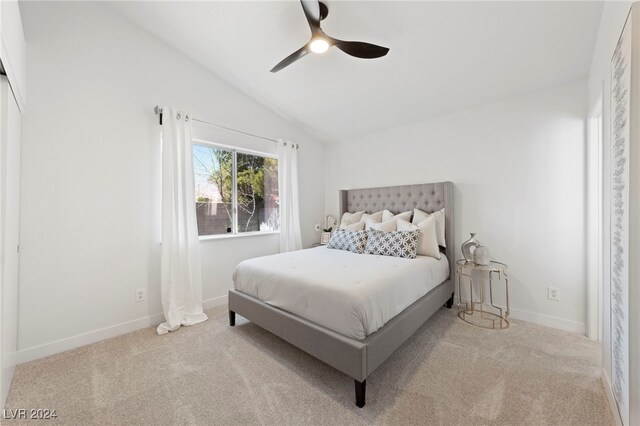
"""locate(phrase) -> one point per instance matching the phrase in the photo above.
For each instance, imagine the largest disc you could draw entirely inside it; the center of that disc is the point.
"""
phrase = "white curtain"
(181, 281)
(290, 238)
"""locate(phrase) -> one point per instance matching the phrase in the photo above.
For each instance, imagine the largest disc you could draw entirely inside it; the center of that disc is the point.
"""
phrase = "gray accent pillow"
(353, 241)
(396, 243)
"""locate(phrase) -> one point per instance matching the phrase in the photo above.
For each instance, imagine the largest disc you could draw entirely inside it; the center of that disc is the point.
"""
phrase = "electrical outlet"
(553, 293)
(141, 295)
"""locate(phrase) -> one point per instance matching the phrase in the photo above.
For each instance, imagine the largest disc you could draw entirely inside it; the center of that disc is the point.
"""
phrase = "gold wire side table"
(473, 311)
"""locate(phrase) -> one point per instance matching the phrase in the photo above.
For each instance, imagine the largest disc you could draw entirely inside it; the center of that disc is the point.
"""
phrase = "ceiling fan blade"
(291, 58)
(312, 12)
(360, 49)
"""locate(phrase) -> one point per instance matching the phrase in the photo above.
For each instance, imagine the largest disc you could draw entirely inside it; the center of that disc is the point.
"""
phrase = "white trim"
(595, 241)
(234, 193)
(13, 56)
(549, 321)
(62, 345)
(224, 147)
(606, 383)
(234, 184)
(68, 343)
(215, 302)
(544, 319)
(240, 235)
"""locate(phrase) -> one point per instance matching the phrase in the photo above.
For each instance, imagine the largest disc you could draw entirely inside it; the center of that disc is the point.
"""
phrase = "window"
(236, 192)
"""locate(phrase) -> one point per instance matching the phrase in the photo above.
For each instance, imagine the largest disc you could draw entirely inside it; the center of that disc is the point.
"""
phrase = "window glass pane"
(213, 170)
(258, 203)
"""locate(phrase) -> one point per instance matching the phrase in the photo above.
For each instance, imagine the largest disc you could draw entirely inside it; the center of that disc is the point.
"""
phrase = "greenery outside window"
(236, 191)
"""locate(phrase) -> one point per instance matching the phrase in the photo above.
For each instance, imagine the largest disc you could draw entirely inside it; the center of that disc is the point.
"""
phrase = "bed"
(338, 306)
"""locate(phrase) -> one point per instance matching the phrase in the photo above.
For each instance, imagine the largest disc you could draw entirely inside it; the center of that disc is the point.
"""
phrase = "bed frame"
(359, 358)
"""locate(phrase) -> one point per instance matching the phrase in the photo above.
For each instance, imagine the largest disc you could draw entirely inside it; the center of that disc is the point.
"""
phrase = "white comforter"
(351, 294)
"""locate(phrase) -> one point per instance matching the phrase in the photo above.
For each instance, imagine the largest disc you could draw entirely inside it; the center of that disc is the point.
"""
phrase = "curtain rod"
(158, 111)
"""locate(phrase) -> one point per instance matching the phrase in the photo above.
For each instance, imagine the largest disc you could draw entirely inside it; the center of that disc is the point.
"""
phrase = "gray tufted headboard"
(429, 197)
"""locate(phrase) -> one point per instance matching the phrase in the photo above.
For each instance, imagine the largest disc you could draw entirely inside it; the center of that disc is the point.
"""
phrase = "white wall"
(10, 127)
(90, 209)
(519, 171)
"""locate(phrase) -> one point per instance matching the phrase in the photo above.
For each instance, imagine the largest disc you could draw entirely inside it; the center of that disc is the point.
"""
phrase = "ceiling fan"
(315, 12)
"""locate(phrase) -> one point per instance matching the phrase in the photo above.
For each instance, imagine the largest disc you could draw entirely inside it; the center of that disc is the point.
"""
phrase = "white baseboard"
(546, 320)
(58, 346)
(608, 390)
(549, 321)
(62, 345)
(215, 302)
(55, 347)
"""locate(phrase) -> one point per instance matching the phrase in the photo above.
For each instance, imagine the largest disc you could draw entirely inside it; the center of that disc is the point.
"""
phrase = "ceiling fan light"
(319, 45)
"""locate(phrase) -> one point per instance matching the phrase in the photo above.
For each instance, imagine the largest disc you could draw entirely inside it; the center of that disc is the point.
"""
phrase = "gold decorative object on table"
(474, 311)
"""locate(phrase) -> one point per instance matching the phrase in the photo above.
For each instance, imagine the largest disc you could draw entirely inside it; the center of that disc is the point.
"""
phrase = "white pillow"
(419, 216)
(387, 215)
(371, 218)
(349, 218)
(388, 226)
(358, 226)
(427, 241)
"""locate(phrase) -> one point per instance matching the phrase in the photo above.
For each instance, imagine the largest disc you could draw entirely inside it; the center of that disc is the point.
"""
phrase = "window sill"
(242, 235)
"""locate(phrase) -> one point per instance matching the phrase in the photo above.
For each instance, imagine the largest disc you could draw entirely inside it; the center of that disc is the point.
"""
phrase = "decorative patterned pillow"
(387, 226)
(396, 243)
(353, 241)
(427, 241)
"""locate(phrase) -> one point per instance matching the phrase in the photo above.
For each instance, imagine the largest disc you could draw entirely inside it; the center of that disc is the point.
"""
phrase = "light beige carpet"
(449, 372)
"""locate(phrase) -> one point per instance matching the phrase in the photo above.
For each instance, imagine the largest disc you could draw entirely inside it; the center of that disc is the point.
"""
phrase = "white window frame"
(234, 196)
(597, 298)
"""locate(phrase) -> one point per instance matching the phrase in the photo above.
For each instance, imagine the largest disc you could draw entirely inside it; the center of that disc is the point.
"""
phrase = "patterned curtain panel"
(620, 105)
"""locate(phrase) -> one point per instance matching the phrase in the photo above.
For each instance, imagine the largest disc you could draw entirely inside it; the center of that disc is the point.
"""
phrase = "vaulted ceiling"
(444, 57)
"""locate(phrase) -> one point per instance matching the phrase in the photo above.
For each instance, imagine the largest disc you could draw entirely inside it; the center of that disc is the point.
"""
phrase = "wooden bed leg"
(449, 303)
(232, 318)
(361, 388)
